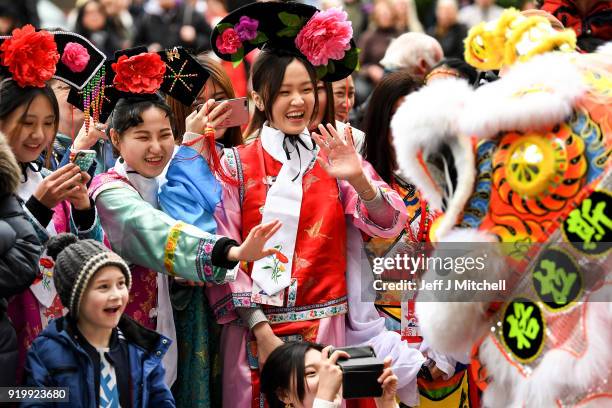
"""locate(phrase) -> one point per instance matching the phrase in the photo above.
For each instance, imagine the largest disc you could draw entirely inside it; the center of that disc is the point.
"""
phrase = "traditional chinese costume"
(31, 311)
(313, 305)
(301, 290)
(156, 245)
(453, 388)
(191, 195)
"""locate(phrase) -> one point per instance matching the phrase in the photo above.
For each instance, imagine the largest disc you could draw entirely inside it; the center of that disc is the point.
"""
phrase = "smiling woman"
(155, 243)
(142, 134)
(316, 184)
(293, 106)
(30, 118)
(219, 87)
(283, 93)
(57, 201)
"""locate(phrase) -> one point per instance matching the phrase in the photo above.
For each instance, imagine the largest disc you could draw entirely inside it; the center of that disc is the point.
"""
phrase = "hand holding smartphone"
(83, 158)
(239, 115)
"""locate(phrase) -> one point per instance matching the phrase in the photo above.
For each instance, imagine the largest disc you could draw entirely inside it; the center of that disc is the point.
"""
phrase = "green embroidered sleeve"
(148, 237)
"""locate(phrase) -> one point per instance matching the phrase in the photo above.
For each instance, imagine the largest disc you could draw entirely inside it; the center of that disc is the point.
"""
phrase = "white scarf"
(283, 202)
(44, 290)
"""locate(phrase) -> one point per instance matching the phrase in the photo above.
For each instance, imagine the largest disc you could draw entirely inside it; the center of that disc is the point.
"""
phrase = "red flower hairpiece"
(30, 56)
(142, 73)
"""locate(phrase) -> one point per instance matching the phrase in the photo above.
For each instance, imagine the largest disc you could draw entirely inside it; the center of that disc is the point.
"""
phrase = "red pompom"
(142, 73)
(30, 56)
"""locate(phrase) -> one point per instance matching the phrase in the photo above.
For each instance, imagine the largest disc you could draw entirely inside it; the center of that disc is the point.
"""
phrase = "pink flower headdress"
(324, 38)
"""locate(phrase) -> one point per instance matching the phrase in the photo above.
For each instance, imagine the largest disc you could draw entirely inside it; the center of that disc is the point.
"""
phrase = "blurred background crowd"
(117, 24)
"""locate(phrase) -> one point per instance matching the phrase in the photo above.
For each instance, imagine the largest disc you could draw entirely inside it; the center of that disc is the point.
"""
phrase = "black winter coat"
(452, 40)
(164, 29)
(20, 251)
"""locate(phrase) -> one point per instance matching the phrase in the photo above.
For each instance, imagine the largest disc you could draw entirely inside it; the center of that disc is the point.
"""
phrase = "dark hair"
(330, 109)
(127, 112)
(283, 368)
(12, 96)
(464, 69)
(233, 135)
(111, 42)
(179, 114)
(590, 43)
(377, 147)
(11, 12)
(267, 74)
(79, 28)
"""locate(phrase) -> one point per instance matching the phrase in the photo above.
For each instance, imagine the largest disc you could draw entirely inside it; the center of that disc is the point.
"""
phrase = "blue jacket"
(56, 359)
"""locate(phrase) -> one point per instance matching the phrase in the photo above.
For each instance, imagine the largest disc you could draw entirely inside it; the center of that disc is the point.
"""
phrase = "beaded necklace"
(93, 97)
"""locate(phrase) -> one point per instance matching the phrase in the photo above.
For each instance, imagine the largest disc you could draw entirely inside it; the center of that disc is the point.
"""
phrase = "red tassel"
(424, 167)
(213, 160)
(72, 136)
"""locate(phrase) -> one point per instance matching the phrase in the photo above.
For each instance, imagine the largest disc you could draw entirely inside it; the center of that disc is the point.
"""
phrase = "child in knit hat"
(105, 359)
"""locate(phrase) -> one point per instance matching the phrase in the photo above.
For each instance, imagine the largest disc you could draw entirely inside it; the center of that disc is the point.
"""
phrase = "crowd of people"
(112, 25)
(193, 194)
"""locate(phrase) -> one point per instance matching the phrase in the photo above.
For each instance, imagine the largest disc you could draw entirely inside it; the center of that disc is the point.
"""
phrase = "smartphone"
(83, 158)
(239, 115)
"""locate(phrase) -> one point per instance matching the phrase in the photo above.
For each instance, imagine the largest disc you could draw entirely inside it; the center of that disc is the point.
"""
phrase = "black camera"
(360, 372)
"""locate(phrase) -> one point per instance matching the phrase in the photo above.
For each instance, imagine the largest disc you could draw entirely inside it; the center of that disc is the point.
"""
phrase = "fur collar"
(10, 172)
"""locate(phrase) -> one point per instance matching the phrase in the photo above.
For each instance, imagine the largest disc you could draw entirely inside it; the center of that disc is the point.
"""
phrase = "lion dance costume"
(531, 158)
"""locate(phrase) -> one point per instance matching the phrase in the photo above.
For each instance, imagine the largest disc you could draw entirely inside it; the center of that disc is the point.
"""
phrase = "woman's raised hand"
(210, 114)
(341, 159)
(85, 139)
(252, 248)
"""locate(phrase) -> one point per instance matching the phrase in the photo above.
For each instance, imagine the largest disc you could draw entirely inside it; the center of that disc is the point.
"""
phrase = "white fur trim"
(421, 123)
(605, 49)
(495, 106)
(453, 328)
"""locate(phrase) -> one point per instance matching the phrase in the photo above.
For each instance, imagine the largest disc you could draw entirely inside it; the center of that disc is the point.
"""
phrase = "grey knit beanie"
(76, 261)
